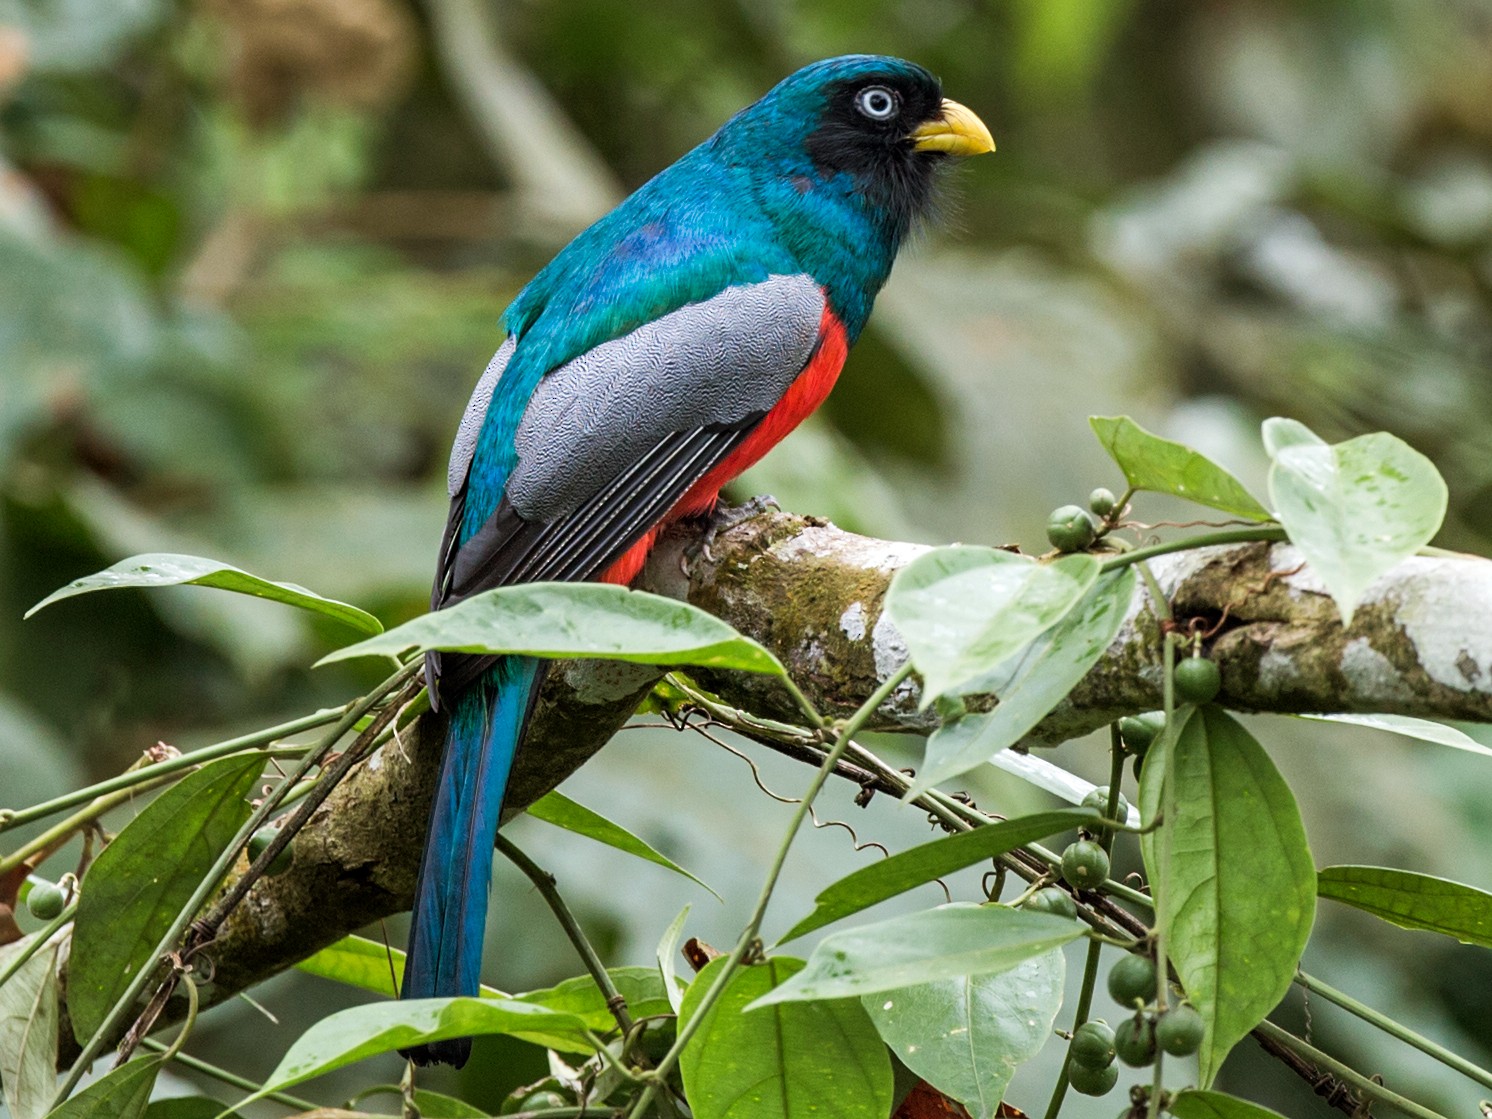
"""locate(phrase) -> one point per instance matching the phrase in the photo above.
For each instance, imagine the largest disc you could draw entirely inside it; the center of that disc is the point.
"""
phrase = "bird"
(663, 351)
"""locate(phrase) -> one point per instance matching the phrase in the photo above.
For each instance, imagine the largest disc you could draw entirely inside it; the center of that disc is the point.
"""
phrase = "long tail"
(450, 896)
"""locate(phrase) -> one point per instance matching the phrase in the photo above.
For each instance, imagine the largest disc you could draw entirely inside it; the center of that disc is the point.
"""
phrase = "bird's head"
(881, 123)
(845, 154)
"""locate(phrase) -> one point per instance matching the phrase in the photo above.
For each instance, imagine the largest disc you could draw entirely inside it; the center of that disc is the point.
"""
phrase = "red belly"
(803, 396)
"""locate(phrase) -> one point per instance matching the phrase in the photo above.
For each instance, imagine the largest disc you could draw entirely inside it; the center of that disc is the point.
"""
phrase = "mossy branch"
(1420, 644)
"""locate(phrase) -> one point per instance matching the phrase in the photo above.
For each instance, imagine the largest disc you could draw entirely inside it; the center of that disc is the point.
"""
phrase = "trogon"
(661, 353)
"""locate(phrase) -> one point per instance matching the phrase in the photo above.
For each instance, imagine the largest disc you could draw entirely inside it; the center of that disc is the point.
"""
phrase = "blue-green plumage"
(780, 229)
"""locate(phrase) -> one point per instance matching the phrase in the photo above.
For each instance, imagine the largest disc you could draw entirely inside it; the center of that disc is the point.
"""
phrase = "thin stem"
(60, 832)
(544, 882)
(1095, 946)
(844, 736)
(1263, 533)
(1363, 1084)
(14, 818)
(1395, 1029)
(42, 936)
(126, 1001)
(233, 1080)
(1159, 884)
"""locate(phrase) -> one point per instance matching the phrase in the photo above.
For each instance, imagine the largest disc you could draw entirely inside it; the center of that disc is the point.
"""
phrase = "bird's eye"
(877, 102)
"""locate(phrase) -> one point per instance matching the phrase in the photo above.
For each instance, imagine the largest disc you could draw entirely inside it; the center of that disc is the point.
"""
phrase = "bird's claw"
(725, 518)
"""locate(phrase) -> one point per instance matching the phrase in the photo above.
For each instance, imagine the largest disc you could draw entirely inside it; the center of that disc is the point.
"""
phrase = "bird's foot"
(725, 518)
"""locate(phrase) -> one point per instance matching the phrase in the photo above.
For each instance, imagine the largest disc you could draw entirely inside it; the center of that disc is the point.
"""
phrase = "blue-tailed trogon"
(663, 351)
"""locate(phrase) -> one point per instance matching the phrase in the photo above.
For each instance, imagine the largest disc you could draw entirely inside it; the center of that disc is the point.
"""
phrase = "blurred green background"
(253, 255)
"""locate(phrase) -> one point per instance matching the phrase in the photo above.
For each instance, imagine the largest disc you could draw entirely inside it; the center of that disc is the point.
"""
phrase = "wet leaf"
(574, 620)
(166, 569)
(1031, 683)
(942, 943)
(792, 1061)
(963, 610)
(1355, 509)
(967, 1036)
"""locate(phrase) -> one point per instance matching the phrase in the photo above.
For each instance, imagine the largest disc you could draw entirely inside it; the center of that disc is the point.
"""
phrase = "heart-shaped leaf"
(1031, 683)
(967, 1036)
(1355, 509)
(795, 1061)
(935, 944)
(964, 610)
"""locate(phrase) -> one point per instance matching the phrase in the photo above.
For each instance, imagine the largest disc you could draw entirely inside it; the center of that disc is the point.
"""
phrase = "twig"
(544, 882)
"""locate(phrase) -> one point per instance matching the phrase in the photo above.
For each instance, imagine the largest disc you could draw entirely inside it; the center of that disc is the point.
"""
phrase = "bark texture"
(1421, 644)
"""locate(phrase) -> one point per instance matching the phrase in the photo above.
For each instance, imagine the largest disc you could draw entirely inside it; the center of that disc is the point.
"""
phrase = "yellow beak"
(956, 131)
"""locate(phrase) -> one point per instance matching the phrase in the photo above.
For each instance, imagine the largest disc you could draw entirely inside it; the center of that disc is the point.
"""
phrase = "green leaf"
(580, 998)
(906, 870)
(28, 1029)
(363, 1031)
(1280, 433)
(667, 964)
(796, 1061)
(1161, 466)
(1356, 509)
(1031, 684)
(1191, 1104)
(1412, 901)
(1238, 883)
(964, 610)
(967, 1036)
(140, 881)
(367, 965)
(166, 569)
(574, 620)
(941, 943)
(121, 1094)
(1425, 730)
(557, 809)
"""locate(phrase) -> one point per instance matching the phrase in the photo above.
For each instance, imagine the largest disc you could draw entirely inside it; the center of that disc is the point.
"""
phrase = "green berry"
(1070, 529)
(1092, 1081)
(1139, 731)
(1099, 799)
(260, 840)
(1179, 1031)
(1132, 980)
(1102, 501)
(1093, 1045)
(45, 901)
(1051, 900)
(1197, 680)
(1134, 1041)
(1084, 865)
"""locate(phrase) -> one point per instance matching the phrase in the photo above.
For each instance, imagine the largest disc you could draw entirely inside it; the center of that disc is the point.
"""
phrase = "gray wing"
(612, 440)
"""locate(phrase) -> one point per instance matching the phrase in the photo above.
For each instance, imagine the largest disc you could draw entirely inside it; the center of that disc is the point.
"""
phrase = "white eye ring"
(877, 102)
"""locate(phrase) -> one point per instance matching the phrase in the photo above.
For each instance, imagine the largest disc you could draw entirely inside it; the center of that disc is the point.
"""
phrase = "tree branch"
(1421, 644)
